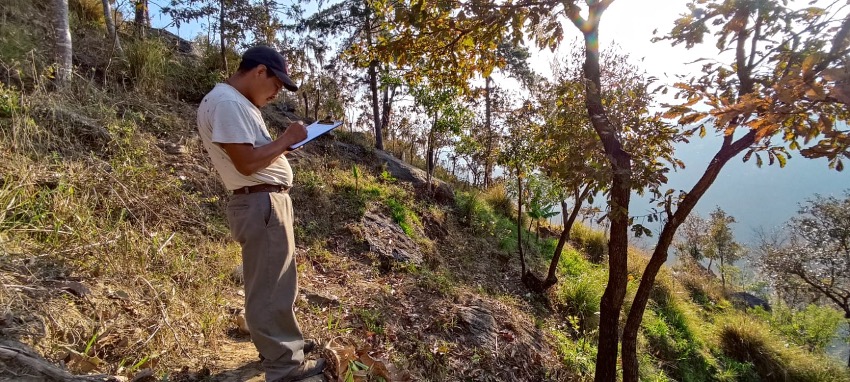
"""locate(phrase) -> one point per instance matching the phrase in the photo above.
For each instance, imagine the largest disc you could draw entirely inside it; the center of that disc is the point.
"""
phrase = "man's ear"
(261, 70)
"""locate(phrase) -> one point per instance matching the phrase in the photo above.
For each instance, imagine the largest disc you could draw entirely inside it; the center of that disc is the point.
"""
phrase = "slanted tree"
(63, 46)
(816, 254)
(110, 27)
(775, 93)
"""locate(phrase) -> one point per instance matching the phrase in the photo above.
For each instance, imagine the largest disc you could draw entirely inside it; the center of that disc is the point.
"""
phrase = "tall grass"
(750, 341)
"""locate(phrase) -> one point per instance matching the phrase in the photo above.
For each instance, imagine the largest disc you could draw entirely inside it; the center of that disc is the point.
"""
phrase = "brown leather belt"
(260, 188)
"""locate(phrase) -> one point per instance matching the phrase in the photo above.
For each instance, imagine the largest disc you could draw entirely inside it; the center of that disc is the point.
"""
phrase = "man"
(254, 168)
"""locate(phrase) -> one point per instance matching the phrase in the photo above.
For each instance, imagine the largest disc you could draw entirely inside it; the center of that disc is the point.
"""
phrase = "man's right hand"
(295, 132)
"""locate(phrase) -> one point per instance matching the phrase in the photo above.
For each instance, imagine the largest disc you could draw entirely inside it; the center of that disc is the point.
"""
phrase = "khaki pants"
(262, 223)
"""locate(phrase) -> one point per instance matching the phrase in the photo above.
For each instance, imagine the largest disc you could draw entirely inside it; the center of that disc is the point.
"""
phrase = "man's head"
(261, 75)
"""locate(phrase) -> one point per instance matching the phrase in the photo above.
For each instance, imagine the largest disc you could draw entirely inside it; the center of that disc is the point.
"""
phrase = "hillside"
(117, 261)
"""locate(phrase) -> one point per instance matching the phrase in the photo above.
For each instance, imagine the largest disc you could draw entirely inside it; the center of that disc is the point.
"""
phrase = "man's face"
(265, 86)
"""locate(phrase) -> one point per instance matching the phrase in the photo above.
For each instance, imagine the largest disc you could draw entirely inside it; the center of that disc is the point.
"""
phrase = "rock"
(480, 323)
(73, 287)
(443, 192)
(319, 300)
(144, 375)
(745, 300)
(237, 275)
(389, 242)
(181, 46)
(241, 323)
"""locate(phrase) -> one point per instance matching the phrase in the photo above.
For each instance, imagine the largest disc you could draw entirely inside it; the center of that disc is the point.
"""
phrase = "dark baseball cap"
(273, 60)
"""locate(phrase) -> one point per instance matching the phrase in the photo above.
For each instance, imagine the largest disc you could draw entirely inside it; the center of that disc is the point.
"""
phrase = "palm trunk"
(64, 47)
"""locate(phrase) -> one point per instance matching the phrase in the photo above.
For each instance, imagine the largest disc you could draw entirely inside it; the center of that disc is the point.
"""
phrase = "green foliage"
(373, 319)
(750, 341)
(578, 356)
(812, 328)
(580, 294)
(401, 215)
(10, 101)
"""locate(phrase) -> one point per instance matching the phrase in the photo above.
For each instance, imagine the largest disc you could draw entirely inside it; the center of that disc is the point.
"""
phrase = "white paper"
(315, 130)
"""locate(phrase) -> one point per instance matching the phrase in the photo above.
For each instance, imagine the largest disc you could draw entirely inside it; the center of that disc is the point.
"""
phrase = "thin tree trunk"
(488, 127)
(729, 150)
(429, 154)
(618, 243)
(722, 274)
(306, 105)
(64, 47)
(376, 116)
(142, 17)
(110, 27)
(551, 277)
(222, 42)
(519, 220)
(316, 107)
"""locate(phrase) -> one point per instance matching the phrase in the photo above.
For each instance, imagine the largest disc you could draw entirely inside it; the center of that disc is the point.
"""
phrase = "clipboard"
(315, 130)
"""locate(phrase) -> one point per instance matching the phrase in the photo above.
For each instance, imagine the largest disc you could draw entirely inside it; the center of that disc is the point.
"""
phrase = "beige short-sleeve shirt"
(226, 116)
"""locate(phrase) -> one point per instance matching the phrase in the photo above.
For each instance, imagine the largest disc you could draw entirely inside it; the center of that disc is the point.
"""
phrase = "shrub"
(580, 296)
(497, 197)
(593, 243)
(750, 341)
(813, 327)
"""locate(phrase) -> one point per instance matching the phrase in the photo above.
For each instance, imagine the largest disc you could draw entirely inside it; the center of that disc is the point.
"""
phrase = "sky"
(757, 197)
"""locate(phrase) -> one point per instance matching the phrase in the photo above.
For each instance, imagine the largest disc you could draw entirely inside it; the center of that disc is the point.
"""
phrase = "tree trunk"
(551, 277)
(306, 105)
(142, 18)
(429, 154)
(64, 47)
(488, 127)
(659, 255)
(316, 106)
(538, 231)
(110, 27)
(376, 116)
(221, 38)
(722, 274)
(618, 243)
(386, 106)
(519, 220)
